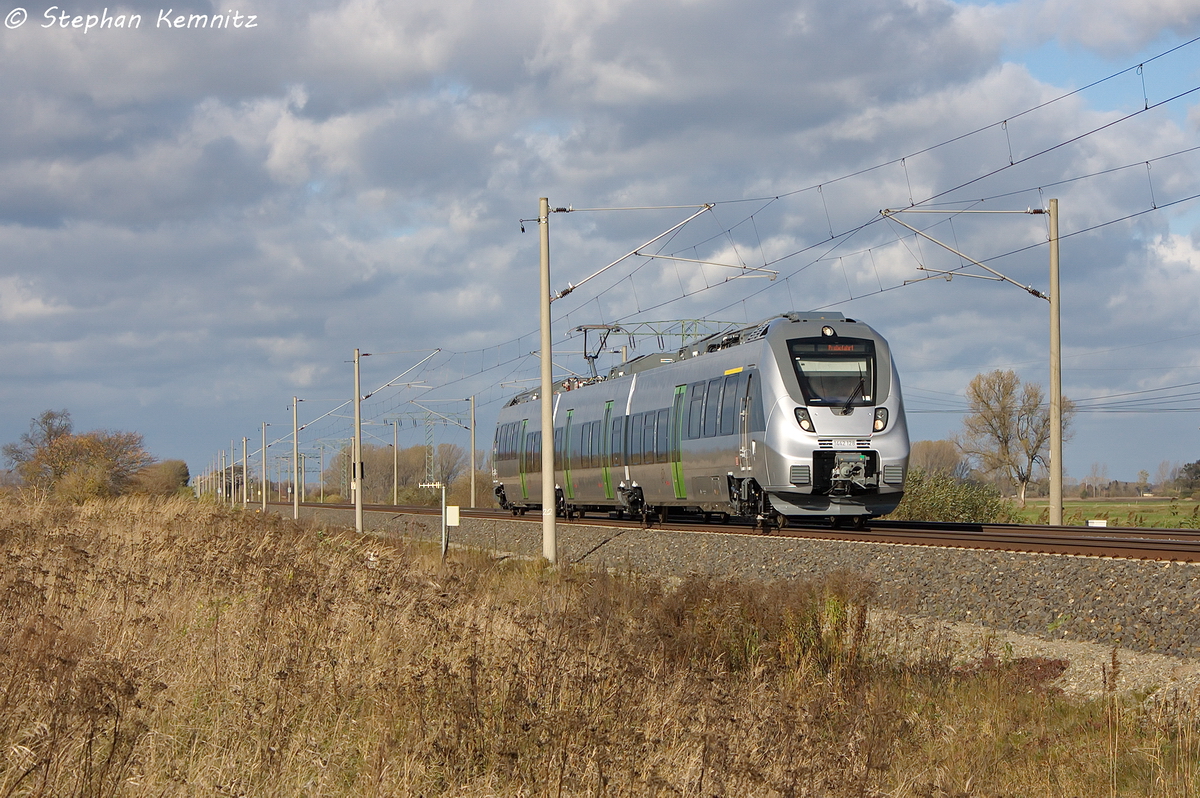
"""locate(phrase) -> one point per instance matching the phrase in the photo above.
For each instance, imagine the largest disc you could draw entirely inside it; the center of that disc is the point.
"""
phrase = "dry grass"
(168, 648)
(1158, 512)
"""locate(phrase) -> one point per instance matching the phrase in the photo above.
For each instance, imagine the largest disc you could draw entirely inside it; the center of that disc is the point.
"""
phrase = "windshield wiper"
(860, 388)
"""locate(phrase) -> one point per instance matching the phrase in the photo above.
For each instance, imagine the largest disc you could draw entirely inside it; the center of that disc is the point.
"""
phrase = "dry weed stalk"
(164, 647)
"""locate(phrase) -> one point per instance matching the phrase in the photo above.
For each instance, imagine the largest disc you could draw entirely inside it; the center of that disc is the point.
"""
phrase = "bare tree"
(406, 467)
(449, 461)
(1007, 431)
(939, 457)
(1166, 475)
(1097, 476)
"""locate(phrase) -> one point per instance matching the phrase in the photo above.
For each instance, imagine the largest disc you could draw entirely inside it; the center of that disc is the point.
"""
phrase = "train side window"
(575, 445)
(531, 453)
(661, 437)
(635, 439)
(648, 437)
(597, 444)
(618, 441)
(731, 403)
(597, 447)
(712, 407)
(695, 423)
(585, 446)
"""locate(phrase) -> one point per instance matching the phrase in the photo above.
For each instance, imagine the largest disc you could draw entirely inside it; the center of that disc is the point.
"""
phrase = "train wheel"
(860, 522)
(835, 521)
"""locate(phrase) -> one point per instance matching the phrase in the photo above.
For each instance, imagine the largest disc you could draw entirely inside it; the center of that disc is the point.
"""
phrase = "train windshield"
(835, 372)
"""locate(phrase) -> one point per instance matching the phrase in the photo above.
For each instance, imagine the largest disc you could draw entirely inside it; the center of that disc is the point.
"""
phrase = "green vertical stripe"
(606, 450)
(568, 489)
(675, 441)
(521, 460)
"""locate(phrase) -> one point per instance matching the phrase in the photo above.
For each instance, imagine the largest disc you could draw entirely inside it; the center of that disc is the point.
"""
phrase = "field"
(1166, 513)
(180, 649)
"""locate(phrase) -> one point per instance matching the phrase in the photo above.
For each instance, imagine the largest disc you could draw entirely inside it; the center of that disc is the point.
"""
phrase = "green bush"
(937, 497)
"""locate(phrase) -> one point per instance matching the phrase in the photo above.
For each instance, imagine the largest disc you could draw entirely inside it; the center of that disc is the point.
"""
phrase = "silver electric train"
(797, 417)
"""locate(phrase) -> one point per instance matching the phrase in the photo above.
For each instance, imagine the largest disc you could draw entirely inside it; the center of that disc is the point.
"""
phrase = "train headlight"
(881, 417)
(804, 421)
(828, 331)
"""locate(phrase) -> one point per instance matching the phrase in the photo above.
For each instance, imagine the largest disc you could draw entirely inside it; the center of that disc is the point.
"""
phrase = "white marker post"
(445, 534)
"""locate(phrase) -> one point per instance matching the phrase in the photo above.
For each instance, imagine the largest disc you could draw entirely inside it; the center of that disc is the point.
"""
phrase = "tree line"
(389, 476)
(53, 460)
(397, 474)
(1005, 441)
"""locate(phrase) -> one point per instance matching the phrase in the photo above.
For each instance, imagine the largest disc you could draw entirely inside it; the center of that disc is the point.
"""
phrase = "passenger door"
(675, 445)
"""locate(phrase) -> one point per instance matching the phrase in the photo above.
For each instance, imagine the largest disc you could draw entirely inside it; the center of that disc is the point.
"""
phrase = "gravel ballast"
(1133, 604)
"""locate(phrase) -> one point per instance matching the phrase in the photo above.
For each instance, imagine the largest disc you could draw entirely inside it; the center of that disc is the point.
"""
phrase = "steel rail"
(1169, 545)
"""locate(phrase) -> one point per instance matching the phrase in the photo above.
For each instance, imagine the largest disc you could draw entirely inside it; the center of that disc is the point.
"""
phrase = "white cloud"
(1112, 27)
(1178, 252)
(20, 302)
(1147, 19)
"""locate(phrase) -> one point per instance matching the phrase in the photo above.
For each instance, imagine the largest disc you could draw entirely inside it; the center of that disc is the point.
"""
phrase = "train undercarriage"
(849, 496)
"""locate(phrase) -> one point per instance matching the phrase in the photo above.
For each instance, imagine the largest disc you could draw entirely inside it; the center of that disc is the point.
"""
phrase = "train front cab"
(837, 438)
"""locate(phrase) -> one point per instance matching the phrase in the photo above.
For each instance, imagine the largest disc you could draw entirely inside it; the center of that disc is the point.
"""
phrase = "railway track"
(1174, 545)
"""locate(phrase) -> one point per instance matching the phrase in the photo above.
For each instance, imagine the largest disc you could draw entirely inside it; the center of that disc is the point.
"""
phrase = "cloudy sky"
(199, 223)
